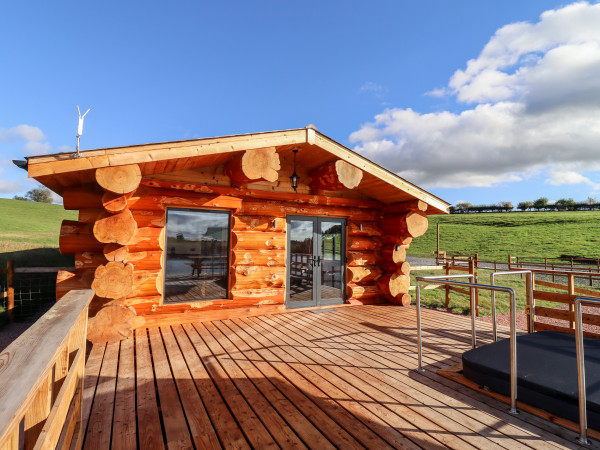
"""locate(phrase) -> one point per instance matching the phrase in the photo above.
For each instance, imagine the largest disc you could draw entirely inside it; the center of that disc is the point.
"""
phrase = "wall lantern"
(294, 177)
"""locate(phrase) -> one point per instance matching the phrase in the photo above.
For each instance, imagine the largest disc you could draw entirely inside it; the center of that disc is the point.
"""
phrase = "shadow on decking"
(343, 379)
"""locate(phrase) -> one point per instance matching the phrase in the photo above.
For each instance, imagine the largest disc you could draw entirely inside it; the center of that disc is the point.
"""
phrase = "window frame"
(223, 211)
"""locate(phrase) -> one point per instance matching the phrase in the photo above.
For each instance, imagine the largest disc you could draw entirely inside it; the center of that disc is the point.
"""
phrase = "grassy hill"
(495, 235)
(29, 233)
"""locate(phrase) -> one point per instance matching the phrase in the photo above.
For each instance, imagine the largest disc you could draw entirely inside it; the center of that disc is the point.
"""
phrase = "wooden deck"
(331, 378)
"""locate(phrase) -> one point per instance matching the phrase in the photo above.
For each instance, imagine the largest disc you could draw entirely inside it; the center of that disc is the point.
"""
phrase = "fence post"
(509, 261)
(447, 286)
(532, 304)
(571, 279)
(472, 266)
(10, 289)
(477, 260)
(591, 279)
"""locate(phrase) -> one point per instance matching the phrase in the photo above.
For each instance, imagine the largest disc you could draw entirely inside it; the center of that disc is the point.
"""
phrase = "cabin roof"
(60, 170)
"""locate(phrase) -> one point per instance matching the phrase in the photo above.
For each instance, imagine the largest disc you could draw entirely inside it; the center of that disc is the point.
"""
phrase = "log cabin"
(185, 253)
(231, 226)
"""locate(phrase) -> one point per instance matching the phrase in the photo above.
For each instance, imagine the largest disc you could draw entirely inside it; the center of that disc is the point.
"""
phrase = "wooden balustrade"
(41, 379)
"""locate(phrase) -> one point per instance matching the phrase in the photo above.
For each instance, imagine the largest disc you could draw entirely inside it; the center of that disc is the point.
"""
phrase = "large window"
(197, 255)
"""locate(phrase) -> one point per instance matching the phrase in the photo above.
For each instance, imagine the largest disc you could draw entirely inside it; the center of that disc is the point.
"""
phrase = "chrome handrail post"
(473, 329)
(493, 297)
(583, 440)
(581, 374)
(513, 352)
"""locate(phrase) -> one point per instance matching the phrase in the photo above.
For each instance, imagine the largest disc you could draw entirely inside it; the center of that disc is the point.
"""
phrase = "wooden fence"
(448, 267)
(8, 292)
(41, 379)
(548, 270)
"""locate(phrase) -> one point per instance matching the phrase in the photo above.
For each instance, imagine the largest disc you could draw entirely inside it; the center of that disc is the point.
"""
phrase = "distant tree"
(463, 206)
(524, 206)
(506, 206)
(565, 203)
(591, 201)
(39, 194)
(540, 203)
(19, 197)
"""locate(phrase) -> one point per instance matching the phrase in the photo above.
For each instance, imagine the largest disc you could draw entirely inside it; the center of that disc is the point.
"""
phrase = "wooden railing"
(41, 379)
(9, 291)
(567, 316)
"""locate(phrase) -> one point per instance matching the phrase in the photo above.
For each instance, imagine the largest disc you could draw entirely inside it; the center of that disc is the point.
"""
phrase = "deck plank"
(148, 419)
(124, 428)
(226, 426)
(344, 378)
(90, 381)
(331, 365)
(253, 428)
(322, 390)
(176, 429)
(203, 433)
(315, 404)
(263, 376)
(271, 419)
(99, 428)
(382, 366)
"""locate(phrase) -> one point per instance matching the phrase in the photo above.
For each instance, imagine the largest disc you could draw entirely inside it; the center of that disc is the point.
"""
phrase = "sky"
(476, 101)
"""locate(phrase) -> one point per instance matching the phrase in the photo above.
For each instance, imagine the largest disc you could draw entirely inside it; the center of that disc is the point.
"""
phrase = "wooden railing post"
(10, 289)
(509, 262)
(447, 286)
(530, 302)
(472, 271)
(571, 284)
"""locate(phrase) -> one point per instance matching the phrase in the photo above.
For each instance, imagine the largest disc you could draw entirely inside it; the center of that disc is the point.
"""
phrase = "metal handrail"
(513, 325)
(581, 367)
(473, 278)
(493, 295)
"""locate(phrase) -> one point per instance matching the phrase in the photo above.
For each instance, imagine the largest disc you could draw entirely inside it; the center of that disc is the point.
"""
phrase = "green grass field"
(496, 235)
(29, 233)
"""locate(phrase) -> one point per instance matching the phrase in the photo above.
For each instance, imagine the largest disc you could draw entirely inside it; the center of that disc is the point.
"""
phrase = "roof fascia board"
(391, 178)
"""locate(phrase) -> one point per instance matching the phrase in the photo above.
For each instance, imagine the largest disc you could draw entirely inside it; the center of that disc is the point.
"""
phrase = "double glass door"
(315, 261)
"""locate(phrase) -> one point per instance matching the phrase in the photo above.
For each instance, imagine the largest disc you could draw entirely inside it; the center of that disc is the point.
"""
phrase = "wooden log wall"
(118, 243)
(400, 223)
(363, 259)
(103, 260)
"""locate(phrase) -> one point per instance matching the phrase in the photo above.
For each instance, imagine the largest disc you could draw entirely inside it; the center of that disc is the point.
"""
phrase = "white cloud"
(21, 132)
(561, 176)
(535, 90)
(371, 87)
(37, 147)
(8, 187)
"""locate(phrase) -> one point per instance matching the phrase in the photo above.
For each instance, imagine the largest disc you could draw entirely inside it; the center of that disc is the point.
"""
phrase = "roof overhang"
(61, 170)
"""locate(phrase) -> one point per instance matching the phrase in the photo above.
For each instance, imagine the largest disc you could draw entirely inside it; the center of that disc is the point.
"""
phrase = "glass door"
(316, 261)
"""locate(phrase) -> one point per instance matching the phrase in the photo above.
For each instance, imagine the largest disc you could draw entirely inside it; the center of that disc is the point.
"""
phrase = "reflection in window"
(197, 255)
